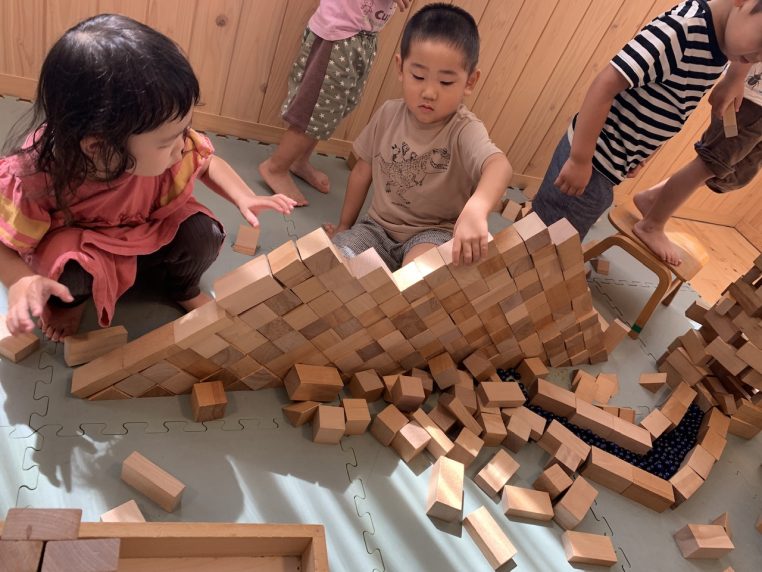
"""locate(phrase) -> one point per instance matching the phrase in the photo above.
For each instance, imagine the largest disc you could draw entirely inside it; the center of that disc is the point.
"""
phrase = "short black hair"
(757, 7)
(445, 23)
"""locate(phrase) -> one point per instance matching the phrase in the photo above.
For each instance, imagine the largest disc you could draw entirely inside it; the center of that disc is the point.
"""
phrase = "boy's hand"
(251, 205)
(333, 229)
(28, 295)
(724, 94)
(470, 238)
(574, 177)
(403, 4)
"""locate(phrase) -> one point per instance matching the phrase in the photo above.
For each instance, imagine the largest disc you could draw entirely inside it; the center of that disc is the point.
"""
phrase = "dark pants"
(181, 263)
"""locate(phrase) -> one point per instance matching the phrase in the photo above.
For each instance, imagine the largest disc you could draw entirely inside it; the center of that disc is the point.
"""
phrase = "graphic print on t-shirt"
(381, 17)
(407, 169)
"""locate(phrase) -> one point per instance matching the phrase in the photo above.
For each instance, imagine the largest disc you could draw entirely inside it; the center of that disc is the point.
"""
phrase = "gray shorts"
(552, 205)
(326, 82)
(367, 233)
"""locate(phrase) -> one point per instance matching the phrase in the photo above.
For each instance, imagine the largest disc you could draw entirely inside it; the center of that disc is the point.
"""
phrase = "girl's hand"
(251, 205)
(333, 229)
(725, 94)
(470, 238)
(403, 4)
(574, 177)
(28, 295)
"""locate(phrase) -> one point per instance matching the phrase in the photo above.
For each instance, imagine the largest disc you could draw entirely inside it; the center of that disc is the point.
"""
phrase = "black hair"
(757, 7)
(445, 23)
(109, 77)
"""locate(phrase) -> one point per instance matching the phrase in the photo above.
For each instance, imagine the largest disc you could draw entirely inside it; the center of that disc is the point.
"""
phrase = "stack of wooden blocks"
(722, 360)
(304, 303)
(48, 540)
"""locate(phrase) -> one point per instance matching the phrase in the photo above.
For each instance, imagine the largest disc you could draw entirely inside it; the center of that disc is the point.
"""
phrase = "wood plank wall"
(538, 57)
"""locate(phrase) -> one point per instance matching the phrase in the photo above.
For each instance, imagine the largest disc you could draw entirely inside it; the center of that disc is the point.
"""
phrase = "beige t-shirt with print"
(423, 175)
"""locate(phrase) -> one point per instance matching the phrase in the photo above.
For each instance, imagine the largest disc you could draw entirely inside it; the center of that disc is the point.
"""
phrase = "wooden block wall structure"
(303, 303)
(489, 537)
(20, 555)
(153, 481)
(86, 555)
(83, 348)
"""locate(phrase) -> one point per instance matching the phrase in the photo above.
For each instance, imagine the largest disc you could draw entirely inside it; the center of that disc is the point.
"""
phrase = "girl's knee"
(202, 236)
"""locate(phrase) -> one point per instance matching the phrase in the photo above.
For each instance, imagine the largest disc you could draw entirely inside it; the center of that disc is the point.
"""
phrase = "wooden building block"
(500, 394)
(533, 232)
(153, 481)
(442, 417)
(697, 541)
(527, 503)
(15, 348)
(729, 122)
(489, 537)
(574, 504)
(608, 387)
(627, 414)
(440, 444)
(479, 366)
(601, 265)
(246, 286)
(599, 421)
(557, 435)
(20, 555)
(443, 370)
(685, 482)
(511, 210)
(366, 385)
(83, 348)
(126, 512)
(586, 548)
(357, 416)
(494, 430)
(585, 386)
(387, 424)
(655, 423)
(530, 370)
(536, 422)
(300, 412)
(445, 496)
(328, 425)
(407, 393)
(518, 432)
(653, 382)
(714, 443)
(608, 470)
(496, 473)
(287, 266)
(410, 441)
(247, 239)
(650, 491)
(724, 521)
(208, 401)
(467, 447)
(458, 410)
(313, 383)
(42, 524)
(632, 437)
(614, 334)
(700, 461)
(553, 398)
(91, 555)
(553, 480)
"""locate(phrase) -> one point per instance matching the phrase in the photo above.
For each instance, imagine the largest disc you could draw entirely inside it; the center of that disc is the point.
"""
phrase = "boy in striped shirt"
(642, 99)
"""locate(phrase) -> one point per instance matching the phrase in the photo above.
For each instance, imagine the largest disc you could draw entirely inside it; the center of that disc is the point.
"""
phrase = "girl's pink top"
(341, 19)
(112, 222)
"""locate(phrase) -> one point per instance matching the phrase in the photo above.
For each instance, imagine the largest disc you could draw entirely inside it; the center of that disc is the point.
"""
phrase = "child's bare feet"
(57, 323)
(644, 201)
(310, 175)
(195, 302)
(654, 237)
(281, 183)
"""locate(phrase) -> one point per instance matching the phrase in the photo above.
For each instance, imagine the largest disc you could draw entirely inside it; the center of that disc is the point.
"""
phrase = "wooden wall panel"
(538, 59)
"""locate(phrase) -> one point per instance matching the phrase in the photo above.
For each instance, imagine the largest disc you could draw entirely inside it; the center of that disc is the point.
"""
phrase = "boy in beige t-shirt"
(435, 172)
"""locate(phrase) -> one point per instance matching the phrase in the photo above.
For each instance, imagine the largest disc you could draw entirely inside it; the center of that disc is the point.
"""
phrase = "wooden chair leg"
(674, 288)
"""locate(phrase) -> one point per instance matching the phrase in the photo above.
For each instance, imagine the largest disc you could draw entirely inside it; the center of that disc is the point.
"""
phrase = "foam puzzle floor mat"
(252, 466)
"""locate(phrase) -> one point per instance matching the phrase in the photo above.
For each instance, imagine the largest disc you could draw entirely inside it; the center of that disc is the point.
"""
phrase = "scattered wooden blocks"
(440, 444)
(357, 416)
(458, 410)
(518, 432)
(91, 555)
(366, 385)
(527, 503)
(247, 239)
(313, 383)
(729, 122)
(685, 483)
(127, 512)
(724, 521)
(489, 537)
(495, 430)
(387, 424)
(445, 497)
(407, 393)
(496, 473)
(614, 334)
(328, 425)
(300, 412)
(573, 506)
(553, 480)
(208, 401)
(444, 371)
(153, 481)
(653, 382)
(83, 348)
(500, 394)
(467, 447)
(15, 348)
(697, 541)
(512, 210)
(42, 524)
(410, 441)
(601, 266)
(20, 555)
(585, 548)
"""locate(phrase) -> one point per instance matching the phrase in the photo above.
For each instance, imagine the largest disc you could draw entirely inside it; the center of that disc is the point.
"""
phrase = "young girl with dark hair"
(102, 187)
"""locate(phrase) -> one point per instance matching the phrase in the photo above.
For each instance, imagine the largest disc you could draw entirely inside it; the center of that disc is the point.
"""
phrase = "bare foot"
(655, 239)
(644, 201)
(195, 302)
(57, 323)
(330, 229)
(310, 175)
(282, 183)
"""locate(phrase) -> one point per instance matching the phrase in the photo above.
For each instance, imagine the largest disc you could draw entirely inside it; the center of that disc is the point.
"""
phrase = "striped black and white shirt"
(669, 65)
